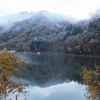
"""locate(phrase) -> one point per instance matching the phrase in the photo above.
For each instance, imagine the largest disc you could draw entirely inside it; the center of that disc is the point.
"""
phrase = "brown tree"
(92, 82)
(9, 64)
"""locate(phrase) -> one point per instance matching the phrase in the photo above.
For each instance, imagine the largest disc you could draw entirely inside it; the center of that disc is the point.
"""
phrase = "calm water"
(54, 76)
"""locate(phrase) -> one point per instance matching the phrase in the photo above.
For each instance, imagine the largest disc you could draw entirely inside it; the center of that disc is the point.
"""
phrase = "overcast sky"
(75, 8)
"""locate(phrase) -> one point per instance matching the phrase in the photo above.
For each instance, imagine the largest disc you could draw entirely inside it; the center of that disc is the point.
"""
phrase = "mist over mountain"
(44, 31)
(8, 19)
(7, 22)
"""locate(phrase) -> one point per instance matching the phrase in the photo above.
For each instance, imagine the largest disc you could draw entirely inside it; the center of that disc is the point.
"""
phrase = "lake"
(54, 76)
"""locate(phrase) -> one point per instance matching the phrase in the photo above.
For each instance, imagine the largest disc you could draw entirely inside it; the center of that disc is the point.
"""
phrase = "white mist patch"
(25, 57)
(9, 20)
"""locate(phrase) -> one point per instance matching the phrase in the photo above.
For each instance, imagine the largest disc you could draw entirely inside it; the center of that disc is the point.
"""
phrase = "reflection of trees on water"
(53, 69)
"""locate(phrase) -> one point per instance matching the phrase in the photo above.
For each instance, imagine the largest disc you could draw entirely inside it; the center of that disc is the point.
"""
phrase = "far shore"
(61, 53)
(85, 55)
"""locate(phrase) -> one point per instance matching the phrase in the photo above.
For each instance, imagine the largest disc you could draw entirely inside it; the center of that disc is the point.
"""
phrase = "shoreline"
(85, 55)
(69, 54)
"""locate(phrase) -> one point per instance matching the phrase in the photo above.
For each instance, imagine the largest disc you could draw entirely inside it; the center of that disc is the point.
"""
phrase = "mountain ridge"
(25, 15)
(44, 31)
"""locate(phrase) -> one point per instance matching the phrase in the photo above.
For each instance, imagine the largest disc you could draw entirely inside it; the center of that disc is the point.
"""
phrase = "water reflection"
(65, 91)
(54, 76)
(47, 69)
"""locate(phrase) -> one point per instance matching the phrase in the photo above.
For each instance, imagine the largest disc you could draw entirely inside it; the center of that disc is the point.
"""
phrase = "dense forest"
(47, 32)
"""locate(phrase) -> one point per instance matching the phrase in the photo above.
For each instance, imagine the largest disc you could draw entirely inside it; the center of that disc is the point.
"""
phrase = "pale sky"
(76, 8)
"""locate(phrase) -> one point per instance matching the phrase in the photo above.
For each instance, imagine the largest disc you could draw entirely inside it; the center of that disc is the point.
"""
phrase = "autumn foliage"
(9, 64)
(92, 82)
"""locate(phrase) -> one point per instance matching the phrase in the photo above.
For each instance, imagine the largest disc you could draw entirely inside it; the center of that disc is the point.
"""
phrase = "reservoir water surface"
(54, 76)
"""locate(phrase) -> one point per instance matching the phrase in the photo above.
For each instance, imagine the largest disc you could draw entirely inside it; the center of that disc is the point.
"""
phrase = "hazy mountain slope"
(10, 19)
(45, 31)
(24, 20)
(41, 25)
(25, 15)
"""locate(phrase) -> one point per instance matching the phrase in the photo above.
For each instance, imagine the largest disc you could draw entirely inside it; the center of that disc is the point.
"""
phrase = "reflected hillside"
(49, 69)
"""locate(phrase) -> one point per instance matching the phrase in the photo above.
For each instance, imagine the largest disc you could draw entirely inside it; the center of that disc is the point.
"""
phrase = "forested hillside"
(47, 32)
